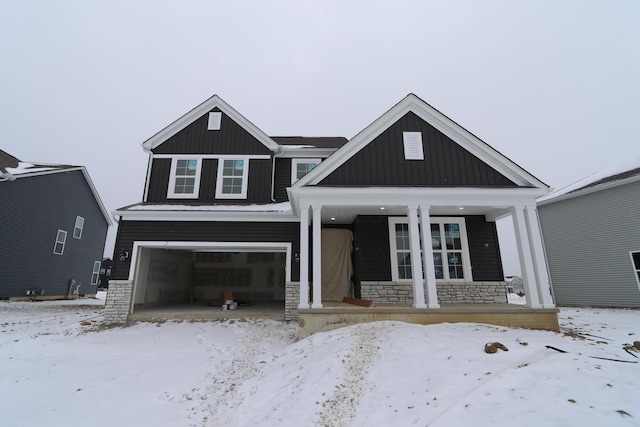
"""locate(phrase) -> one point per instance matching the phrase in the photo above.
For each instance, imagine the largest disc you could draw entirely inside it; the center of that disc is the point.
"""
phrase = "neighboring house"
(105, 273)
(53, 228)
(515, 284)
(591, 234)
(228, 208)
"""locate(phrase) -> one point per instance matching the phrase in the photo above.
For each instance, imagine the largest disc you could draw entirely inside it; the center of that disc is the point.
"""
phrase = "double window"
(301, 167)
(448, 243)
(184, 179)
(232, 179)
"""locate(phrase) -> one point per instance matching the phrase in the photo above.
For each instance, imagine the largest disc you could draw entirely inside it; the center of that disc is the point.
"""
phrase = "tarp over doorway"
(336, 264)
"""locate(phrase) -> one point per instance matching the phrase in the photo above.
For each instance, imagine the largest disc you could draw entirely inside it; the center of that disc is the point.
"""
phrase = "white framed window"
(413, 145)
(635, 262)
(232, 178)
(448, 243)
(301, 167)
(184, 179)
(95, 276)
(77, 229)
(215, 120)
(61, 239)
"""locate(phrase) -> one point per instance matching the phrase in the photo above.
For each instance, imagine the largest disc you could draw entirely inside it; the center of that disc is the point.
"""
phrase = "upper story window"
(61, 238)
(232, 179)
(184, 179)
(77, 230)
(448, 243)
(301, 167)
(413, 145)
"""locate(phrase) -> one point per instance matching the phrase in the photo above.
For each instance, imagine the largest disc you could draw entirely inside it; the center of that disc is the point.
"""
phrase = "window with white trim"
(301, 167)
(232, 178)
(413, 145)
(61, 239)
(635, 261)
(184, 179)
(95, 276)
(77, 229)
(448, 243)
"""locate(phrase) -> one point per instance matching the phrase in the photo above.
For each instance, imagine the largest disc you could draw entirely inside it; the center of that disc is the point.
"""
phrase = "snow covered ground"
(60, 367)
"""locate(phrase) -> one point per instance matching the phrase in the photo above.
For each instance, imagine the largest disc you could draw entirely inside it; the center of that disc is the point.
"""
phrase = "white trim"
(215, 120)
(216, 246)
(304, 259)
(171, 194)
(63, 242)
(316, 253)
(192, 215)
(636, 271)
(148, 179)
(96, 273)
(415, 250)
(295, 152)
(550, 198)
(212, 156)
(296, 162)
(220, 179)
(81, 227)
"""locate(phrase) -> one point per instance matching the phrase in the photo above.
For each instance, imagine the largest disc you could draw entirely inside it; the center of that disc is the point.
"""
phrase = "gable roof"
(442, 123)
(618, 174)
(214, 102)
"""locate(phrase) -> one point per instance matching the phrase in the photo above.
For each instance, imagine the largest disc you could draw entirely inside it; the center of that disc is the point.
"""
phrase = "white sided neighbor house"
(397, 223)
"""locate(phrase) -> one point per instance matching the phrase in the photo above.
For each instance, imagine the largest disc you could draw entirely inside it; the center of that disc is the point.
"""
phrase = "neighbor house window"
(448, 243)
(232, 179)
(77, 230)
(184, 179)
(61, 238)
(301, 167)
(413, 145)
(635, 260)
(95, 276)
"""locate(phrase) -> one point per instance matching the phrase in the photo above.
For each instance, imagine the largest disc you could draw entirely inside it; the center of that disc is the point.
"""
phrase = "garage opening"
(201, 277)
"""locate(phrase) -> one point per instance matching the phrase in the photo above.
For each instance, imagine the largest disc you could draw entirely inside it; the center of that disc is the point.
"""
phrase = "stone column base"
(116, 308)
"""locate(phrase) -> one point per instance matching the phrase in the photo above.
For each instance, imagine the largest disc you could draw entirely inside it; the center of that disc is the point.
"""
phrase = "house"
(591, 233)
(105, 273)
(227, 208)
(53, 230)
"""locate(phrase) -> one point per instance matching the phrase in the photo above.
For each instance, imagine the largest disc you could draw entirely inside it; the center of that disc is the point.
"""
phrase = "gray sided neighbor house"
(591, 233)
(402, 214)
(53, 230)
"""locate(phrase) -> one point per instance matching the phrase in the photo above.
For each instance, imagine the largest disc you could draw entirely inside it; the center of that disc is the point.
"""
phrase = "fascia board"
(227, 216)
(199, 111)
(306, 152)
(590, 190)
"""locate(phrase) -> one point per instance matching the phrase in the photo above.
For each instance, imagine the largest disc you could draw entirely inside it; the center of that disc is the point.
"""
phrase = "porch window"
(184, 180)
(301, 167)
(448, 243)
(232, 179)
(635, 260)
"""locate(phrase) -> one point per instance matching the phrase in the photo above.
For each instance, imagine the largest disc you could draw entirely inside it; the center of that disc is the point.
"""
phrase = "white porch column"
(427, 258)
(416, 270)
(539, 264)
(316, 253)
(526, 257)
(304, 258)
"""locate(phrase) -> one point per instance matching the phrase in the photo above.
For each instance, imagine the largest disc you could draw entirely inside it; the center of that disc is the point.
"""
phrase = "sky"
(551, 85)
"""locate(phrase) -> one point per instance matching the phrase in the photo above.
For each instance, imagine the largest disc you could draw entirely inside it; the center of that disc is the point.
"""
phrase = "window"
(301, 167)
(77, 230)
(96, 272)
(448, 243)
(232, 179)
(413, 145)
(215, 119)
(61, 238)
(635, 260)
(184, 180)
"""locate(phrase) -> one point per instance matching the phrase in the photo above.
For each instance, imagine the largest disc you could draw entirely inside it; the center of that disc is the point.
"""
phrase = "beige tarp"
(336, 264)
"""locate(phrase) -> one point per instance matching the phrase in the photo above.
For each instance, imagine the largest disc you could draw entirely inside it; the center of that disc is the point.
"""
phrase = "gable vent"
(413, 145)
(214, 121)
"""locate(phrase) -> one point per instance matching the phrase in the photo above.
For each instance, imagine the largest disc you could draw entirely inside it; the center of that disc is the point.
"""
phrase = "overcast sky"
(553, 85)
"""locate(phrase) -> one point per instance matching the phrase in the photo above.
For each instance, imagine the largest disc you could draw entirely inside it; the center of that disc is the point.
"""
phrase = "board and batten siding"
(282, 179)
(33, 210)
(587, 241)
(446, 163)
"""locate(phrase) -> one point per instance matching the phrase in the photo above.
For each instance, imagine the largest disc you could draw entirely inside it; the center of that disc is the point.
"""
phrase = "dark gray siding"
(484, 249)
(196, 139)
(282, 179)
(159, 180)
(382, 163)
(201, 231)
(587, 240)
(33, 209)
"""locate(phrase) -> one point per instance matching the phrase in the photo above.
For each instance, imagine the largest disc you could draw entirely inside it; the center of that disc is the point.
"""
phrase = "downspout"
(279, 154)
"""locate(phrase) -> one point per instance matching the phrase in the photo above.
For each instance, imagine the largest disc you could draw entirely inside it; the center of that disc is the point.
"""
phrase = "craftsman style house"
(303, 222)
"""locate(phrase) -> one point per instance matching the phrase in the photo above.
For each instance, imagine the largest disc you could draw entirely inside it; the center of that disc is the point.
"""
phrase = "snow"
(621, 167)
(30, 168)
(59, 366)
(271, 207)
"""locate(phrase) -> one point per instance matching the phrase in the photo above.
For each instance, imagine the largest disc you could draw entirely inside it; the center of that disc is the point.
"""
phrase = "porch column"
(526, 257)
(304, 258)
(317, 245)
(539, 263)
(427, 258)
(416, 270)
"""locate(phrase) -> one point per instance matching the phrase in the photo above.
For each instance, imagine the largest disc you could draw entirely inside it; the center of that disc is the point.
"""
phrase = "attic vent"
(214, 121)
(413, 145)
